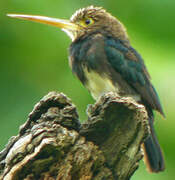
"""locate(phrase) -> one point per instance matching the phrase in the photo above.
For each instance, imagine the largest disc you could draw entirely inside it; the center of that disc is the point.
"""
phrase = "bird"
(102, 58)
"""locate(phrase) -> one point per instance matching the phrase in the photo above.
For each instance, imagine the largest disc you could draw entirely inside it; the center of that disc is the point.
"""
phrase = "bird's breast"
(98, 84)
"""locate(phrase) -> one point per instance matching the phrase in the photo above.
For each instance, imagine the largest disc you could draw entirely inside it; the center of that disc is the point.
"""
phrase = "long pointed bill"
(63, 24)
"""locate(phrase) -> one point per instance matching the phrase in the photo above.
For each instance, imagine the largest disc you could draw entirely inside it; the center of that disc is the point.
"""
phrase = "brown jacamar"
(103, 59)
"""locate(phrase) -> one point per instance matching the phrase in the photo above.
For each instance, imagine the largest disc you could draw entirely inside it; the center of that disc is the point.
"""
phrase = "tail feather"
(152, 152)
(153, 156)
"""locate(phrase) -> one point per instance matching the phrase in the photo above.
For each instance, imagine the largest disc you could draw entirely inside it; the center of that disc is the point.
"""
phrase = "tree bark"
(54, 145)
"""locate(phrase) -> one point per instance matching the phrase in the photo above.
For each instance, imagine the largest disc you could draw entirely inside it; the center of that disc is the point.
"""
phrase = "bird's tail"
(153, 156)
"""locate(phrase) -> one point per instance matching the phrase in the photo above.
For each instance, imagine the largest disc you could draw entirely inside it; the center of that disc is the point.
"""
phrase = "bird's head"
(84, 21)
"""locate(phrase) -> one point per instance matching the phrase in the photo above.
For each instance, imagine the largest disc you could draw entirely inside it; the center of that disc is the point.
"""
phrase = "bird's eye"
(87, 21)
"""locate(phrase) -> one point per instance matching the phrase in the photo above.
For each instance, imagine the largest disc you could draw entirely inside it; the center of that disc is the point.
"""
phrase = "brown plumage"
(103, 59)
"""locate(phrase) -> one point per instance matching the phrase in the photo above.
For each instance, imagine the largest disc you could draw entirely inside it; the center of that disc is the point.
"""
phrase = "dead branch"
(54, 145)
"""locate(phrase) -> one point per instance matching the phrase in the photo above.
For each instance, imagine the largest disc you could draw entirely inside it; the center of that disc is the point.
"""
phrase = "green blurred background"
(33, 61)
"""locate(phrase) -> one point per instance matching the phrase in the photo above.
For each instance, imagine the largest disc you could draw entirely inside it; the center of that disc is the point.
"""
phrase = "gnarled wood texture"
(54, 145)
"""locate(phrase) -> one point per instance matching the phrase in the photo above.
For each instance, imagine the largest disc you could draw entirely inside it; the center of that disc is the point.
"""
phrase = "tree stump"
(54, 145)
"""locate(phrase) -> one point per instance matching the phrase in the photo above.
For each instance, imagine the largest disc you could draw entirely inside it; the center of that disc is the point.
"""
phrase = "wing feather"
(126, 61)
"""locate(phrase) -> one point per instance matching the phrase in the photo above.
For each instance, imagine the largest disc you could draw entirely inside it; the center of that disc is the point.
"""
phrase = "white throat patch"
(71, 34)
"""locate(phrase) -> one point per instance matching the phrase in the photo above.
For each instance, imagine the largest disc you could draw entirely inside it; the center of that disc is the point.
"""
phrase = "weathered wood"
(54, 145)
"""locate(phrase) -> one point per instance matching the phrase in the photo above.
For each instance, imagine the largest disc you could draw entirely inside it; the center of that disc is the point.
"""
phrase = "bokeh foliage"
(33, 61)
